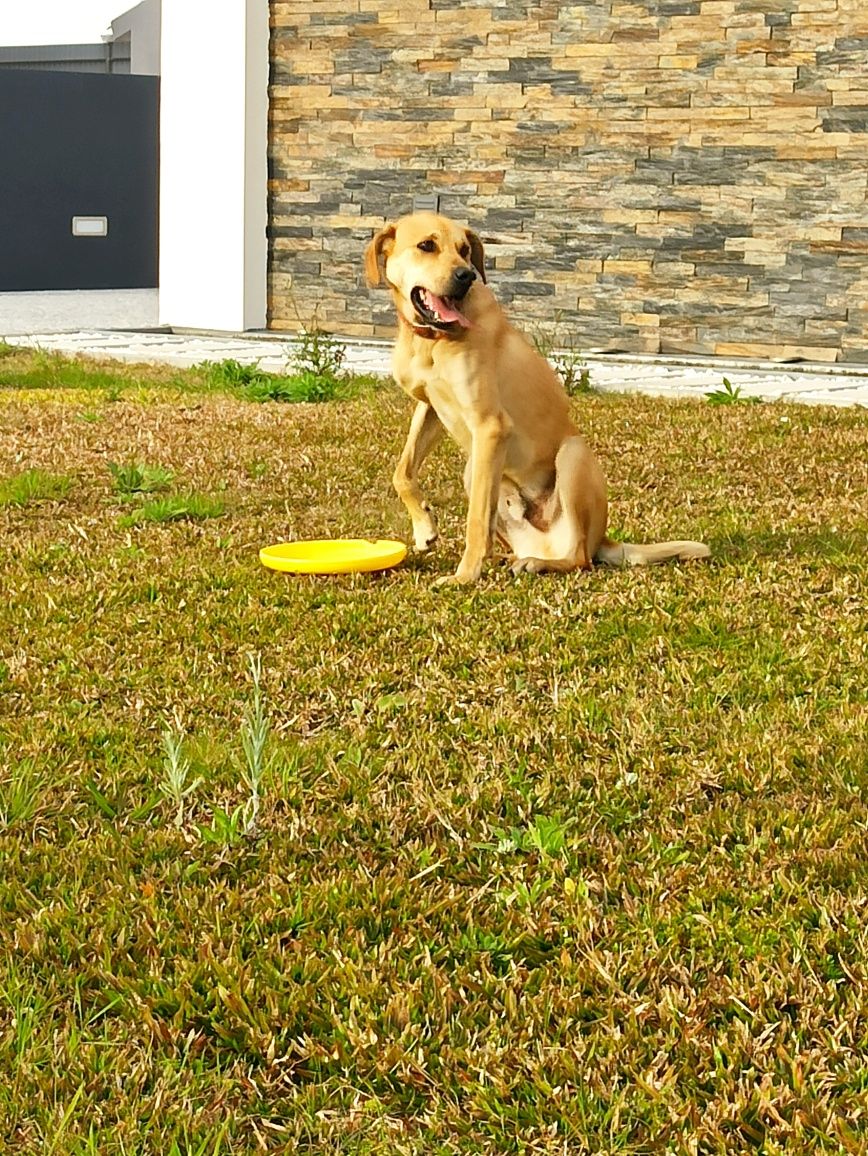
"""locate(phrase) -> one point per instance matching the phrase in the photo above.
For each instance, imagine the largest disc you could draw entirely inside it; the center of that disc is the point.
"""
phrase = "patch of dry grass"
(544, 866)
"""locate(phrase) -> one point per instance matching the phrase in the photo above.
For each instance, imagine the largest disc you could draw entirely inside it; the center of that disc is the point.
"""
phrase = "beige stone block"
(821, 27)
(678, 217)
(464, 21)
(618, 267)
(753, 244)
(475, 113)
(851, 98)
(624, 214)
(590, 49)
(817, 151)
(683, 62)
(673, 269)
(648, 320)
(505, 100)
(787, 59)
(772, 352)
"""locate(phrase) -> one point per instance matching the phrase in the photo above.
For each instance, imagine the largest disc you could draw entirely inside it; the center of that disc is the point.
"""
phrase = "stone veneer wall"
(656, 176)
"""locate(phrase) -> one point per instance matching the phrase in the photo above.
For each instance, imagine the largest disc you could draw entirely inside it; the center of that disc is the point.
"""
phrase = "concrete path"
(666, 377)
(59, 310)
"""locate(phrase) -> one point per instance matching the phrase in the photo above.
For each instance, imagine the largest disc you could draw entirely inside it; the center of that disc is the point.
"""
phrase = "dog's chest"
(422, 381)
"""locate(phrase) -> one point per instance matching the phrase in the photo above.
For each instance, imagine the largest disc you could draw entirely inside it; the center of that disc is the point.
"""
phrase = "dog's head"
(431, 265)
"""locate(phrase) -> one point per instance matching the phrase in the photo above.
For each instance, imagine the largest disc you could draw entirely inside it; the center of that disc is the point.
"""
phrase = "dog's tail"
(611, 553)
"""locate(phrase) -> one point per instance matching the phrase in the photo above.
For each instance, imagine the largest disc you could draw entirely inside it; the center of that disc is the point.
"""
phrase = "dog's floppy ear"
(477, 253)
(380, 247)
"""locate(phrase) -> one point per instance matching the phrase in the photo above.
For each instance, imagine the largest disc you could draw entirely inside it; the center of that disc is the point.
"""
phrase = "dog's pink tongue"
(447, 312)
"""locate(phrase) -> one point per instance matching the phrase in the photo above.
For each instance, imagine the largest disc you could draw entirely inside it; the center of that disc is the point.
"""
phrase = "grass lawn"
(549, 865)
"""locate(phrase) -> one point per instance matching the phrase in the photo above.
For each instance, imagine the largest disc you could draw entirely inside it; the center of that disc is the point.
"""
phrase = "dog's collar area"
(430, 332)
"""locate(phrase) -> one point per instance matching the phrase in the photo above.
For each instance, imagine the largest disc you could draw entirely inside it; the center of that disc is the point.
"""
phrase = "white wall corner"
(214, 165)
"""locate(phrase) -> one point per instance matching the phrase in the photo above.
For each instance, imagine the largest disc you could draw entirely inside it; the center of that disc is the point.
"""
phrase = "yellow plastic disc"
(333, 555)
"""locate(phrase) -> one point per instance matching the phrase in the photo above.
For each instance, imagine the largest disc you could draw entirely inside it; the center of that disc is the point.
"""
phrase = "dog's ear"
(477, 253)
(379, 248)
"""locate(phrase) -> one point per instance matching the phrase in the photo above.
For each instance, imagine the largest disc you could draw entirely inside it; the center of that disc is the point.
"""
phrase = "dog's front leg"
(485, 467)
(425, 432)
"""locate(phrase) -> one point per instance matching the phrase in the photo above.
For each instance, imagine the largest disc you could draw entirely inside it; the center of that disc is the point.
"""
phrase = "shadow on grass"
(833, 545)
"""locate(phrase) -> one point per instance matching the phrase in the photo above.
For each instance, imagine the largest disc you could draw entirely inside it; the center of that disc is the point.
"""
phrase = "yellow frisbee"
(333, 555)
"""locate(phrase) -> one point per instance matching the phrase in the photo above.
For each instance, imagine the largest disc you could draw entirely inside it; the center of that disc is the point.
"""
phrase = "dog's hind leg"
(570, 541)
(424, 433)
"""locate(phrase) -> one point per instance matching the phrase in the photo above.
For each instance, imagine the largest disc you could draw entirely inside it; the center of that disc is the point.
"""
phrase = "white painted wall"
(213, 164)
(142, 25)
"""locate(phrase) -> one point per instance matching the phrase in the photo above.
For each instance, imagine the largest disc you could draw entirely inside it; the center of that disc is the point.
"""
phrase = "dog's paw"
(528, 566)
(426, 542)
(461, 577)
(425, 533)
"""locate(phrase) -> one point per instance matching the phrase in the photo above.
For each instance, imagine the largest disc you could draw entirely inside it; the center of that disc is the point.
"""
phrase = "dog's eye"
(464, 251)
(427, 246)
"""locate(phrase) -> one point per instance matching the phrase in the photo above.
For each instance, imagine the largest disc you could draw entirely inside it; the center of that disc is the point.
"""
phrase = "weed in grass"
(256, 470)
(139, 478)
(227, 827)
(304, 386)
(176, 508)
(729, 395)
(319, 354)
(7, 350)
(20, 793)
(255, 384)
(232, 374)
(545, 836)
(254, 736)
(33, 486)
(558, 347)
(175, 784)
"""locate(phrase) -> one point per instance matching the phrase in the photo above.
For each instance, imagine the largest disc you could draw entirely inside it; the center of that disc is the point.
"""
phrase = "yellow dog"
(531, 478)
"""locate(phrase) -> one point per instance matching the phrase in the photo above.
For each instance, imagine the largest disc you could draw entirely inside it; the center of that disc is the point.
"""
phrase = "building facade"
(657, 176)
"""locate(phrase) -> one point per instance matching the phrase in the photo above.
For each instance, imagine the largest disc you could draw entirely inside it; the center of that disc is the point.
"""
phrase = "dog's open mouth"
(441, 312)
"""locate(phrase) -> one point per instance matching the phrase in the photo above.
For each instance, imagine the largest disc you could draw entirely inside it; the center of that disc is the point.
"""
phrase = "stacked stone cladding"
(658, 176)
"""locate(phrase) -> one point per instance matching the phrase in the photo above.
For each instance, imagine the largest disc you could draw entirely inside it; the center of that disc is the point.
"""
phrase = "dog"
(532, 481)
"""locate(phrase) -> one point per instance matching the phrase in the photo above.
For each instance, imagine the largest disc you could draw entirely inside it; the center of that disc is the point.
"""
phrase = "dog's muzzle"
(443, 312)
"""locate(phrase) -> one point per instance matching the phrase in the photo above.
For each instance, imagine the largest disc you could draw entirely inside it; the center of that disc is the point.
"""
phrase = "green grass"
(33, 485)
(322, 381)
(569, 864)
(176, 508)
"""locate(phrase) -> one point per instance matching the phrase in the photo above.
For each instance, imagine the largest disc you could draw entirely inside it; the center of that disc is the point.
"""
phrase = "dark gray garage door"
(78, 181)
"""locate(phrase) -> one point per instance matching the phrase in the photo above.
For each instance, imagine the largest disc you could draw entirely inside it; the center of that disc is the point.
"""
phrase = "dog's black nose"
(462, 279)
